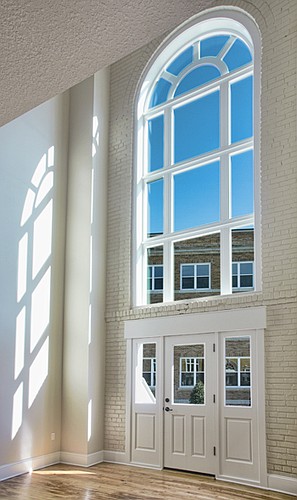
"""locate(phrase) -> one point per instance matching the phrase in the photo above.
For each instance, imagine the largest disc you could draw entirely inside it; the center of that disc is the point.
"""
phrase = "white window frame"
(153, 267)
(191, 359)
(196, 265)
(229, 21)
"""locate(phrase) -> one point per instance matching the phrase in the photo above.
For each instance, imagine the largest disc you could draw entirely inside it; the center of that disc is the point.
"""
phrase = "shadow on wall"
(32, 343)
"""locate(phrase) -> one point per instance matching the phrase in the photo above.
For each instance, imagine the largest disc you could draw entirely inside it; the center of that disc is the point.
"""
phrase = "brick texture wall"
(277, 23)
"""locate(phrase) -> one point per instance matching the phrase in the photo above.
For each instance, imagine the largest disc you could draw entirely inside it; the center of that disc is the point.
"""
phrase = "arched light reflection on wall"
(33, 290)
(90, 420)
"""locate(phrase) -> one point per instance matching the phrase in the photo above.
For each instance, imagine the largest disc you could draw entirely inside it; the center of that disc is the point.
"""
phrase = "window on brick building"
(149, 371)
(195, 181)
(195, 277)
(155, 278)
(237, 371)
(242, 275)
(191, 371)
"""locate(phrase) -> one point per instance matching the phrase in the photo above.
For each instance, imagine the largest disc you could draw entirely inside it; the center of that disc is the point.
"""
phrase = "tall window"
(195, 175)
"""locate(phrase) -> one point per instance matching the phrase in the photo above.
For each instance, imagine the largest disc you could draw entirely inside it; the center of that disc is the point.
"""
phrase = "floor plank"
(120, 482)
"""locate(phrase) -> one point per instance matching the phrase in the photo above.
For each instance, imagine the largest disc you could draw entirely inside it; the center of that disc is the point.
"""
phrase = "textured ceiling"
(47, 46)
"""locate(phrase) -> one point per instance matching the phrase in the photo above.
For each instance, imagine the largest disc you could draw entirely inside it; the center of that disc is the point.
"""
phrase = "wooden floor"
(120, 482)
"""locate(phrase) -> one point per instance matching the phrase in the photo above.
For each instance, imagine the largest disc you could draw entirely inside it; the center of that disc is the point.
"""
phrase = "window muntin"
(182, 155)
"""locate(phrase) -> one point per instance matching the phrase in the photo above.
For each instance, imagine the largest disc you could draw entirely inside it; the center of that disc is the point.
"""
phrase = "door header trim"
(249, 318)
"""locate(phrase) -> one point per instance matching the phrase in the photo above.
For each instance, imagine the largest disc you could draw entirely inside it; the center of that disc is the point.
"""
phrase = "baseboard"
(116, 457)
(28, 464)
(283, 484)
(81, 459)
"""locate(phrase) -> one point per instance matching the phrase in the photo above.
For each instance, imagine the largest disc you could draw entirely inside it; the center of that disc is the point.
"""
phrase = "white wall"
(31, 285)
(52, 323)
(84, 326)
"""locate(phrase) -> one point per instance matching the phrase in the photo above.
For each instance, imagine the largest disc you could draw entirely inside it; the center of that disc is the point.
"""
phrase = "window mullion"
(168, 281)
(226, 261)
(168, 209)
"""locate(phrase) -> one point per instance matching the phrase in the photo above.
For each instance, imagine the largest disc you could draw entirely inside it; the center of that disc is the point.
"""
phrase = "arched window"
(197, 187)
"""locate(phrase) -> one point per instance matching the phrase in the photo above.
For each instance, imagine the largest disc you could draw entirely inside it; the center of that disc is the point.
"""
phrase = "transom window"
(195, 177)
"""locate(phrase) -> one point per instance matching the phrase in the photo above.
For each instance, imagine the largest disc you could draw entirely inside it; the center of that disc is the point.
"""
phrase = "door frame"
(241, 320)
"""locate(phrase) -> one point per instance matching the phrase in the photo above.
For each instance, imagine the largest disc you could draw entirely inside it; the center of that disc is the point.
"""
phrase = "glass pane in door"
(145, 373)
(237, 371)
(189, 374)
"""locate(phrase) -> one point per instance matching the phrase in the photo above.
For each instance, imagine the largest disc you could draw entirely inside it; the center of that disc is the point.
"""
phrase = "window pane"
(242, 181)
(187, 270)
(197, 77)
(196, 127)
(237, 55)
(160, 92)
(197, 197)
(238, 391)
(155, 143)
(187, 283)
(242, 258)
(202, 270)
(159, 271)
(158, 284)
(155, 273)
(144, 390)
(181, 61)
(188, 381)
(155, 208)
(203, 283)
(246, 281)
(242, 109)
(212, 46)
(246, 268)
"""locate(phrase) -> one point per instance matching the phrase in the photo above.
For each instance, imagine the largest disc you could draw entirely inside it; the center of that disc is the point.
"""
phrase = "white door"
(189, 403)
(241, 412)
(146, 408)
(208, 416)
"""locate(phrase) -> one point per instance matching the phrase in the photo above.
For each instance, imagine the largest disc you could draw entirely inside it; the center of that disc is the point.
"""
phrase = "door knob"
(168, 409)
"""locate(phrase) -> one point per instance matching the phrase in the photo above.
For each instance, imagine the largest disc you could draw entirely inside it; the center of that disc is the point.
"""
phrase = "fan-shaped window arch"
(197, 186)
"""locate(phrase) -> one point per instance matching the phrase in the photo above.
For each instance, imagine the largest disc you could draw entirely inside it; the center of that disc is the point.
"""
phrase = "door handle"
(168, 409)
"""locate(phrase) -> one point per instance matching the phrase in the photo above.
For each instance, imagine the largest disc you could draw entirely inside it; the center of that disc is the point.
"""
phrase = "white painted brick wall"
(277, 22)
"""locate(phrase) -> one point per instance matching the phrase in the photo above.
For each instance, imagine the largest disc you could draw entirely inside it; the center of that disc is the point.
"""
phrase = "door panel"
(239, 407)
(146, 442)
(189, 431)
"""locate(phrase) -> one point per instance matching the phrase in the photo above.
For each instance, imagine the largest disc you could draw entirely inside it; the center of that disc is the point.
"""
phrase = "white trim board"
(248, 318)
(80, 459)
(283, 484)
(28, 464)
(116, 457)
